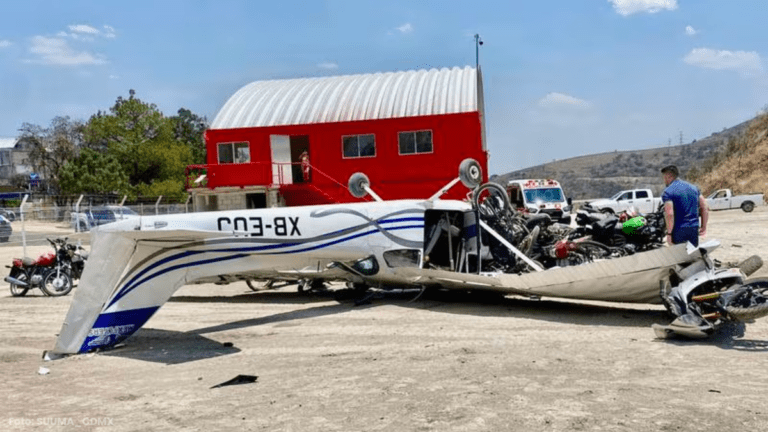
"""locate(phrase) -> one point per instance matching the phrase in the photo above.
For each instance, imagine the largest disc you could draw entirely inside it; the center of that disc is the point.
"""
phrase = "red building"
(407, 131)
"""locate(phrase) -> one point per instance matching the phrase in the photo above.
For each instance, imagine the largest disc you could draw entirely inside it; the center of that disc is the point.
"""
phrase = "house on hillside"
(297, 141)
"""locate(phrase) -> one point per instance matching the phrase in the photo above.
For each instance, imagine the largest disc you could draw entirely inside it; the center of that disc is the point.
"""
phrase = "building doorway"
(299, 144)
(256, 200)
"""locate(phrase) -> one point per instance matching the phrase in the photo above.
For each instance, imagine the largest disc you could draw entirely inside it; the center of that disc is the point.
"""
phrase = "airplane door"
(281, 159)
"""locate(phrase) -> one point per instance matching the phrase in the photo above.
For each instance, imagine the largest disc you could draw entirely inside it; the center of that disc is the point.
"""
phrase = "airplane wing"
(630, 279)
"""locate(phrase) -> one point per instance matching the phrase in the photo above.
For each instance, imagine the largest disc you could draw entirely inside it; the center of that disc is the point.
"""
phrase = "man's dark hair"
(671, 169)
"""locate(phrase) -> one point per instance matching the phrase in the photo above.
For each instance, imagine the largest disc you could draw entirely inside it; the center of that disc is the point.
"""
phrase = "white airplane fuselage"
(144, 261)
(136, 265)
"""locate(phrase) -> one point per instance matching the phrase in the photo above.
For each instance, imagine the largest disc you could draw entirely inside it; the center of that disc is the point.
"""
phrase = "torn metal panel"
(632, 279)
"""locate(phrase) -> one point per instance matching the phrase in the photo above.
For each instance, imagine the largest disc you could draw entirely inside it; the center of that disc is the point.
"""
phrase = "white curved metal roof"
(352, 97)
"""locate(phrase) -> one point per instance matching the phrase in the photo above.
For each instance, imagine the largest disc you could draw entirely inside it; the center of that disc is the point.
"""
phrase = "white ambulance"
(540, 196)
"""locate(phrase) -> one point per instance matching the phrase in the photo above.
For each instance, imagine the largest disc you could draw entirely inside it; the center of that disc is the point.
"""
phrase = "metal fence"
(38, 218)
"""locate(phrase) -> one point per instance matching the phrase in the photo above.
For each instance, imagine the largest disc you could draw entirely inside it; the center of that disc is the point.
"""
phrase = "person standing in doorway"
(304, 158)
(683, 205)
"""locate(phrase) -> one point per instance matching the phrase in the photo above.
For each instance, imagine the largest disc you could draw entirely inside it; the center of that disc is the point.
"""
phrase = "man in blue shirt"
(683, 204)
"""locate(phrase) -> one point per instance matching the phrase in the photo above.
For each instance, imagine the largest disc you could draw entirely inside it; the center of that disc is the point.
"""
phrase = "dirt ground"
(440, 363)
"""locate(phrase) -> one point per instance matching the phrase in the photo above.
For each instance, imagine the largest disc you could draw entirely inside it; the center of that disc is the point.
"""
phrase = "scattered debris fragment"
(240, 379)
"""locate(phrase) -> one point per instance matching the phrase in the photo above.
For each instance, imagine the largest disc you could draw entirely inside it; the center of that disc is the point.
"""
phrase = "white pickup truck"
(641, 199)
(724, 199)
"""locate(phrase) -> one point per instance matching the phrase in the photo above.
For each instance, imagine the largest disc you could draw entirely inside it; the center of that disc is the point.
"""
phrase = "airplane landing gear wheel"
(470, 173)
(259, 285)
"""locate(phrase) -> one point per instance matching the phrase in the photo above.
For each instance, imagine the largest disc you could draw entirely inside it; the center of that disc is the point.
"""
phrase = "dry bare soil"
(444, 362)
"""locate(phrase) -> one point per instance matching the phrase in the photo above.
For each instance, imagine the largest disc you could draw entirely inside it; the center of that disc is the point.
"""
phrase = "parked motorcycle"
(74, 257)
(51, 272)
(629, 230)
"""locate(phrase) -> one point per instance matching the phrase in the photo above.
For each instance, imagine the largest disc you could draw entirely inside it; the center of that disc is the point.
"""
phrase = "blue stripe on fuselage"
(134, 281)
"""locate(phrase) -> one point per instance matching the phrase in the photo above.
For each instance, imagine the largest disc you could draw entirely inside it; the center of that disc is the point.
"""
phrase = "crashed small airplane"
(136, 265)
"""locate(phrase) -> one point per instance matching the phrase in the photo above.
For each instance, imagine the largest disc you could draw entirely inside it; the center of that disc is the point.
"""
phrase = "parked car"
(99, 216)
(5, 229)
(724, 199)
(8, 214)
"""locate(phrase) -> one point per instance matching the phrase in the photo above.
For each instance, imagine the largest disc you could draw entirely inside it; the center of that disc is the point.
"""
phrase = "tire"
(750, 265)
(57, 285)
(748, 206)
(4, 239)
(16, 290)
(594, 249)
(755, 305)
(357, 184)
(259, 285)
(493, 189)
(470, 173)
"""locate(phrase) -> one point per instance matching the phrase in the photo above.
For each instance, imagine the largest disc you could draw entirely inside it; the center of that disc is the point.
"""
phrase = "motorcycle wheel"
(16, 290)
(57, 285)
(594, 250)
(751, 306)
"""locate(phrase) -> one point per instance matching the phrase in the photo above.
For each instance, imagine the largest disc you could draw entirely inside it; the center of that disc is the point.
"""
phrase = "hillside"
(743, 166)
(604, 174)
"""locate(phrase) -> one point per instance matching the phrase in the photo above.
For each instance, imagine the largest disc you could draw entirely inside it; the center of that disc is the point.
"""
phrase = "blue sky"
(562, 78)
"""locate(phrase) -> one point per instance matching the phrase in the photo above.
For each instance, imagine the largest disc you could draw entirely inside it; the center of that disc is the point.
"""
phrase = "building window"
(359, 146)
(237, 152)
(415, 142)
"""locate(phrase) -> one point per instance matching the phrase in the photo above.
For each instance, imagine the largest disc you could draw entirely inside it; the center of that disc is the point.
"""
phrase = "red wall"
(393, 176)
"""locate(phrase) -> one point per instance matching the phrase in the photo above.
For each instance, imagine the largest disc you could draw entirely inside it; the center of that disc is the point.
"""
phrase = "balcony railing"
(261, 173)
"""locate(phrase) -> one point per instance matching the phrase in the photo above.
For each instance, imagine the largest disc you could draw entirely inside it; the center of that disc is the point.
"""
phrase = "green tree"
(52, 147)
(94, 173)
(145, 143)
(189, 128)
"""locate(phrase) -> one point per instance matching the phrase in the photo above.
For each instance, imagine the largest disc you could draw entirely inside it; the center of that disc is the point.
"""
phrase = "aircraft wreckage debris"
(240, 379)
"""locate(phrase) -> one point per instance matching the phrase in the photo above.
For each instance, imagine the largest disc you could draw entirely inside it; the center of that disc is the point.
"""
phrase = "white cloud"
(560, 100)
(109, 32)
(405, 28)
(629, 7)
(56, 51)
(83, 28)
(5, 43)
(563, 111)
(328, 65)
(87, 33)
(690, 31)
(746, 63)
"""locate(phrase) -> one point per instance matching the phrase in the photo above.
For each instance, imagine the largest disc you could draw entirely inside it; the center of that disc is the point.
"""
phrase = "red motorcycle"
(49, 272)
